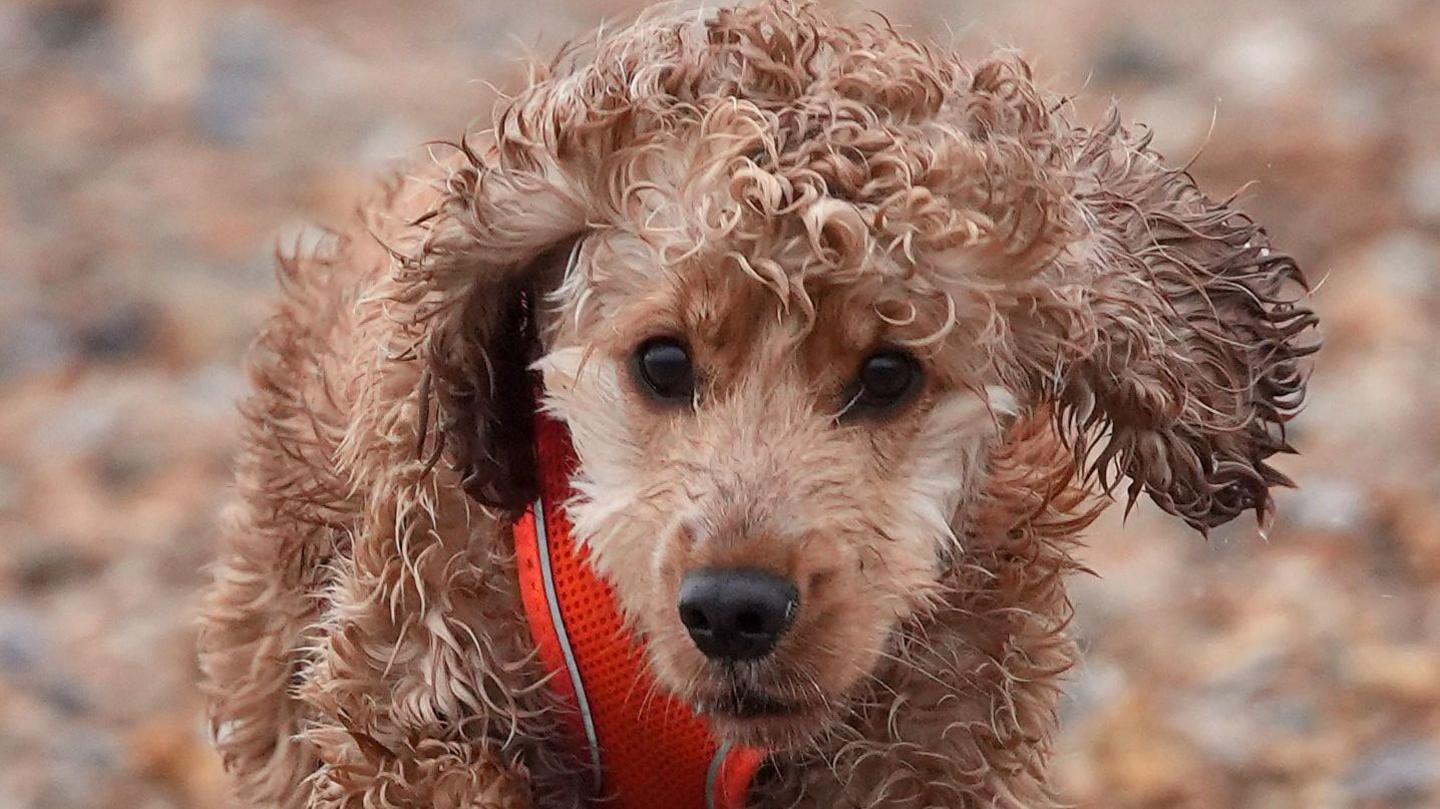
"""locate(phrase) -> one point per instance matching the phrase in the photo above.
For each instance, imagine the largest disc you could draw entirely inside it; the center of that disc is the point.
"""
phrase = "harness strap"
(645, 749)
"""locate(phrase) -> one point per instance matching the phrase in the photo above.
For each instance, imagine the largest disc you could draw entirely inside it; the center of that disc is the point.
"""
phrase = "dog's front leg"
(423, 690)
(358, 774)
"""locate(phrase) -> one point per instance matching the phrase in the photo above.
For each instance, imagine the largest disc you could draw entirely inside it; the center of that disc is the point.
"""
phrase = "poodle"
(851, 339)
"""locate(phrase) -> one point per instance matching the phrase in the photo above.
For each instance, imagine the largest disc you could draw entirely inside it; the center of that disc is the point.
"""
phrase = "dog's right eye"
(664, 369)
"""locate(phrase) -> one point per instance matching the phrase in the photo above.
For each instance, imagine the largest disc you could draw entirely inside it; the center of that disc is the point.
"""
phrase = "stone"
(119, 333)
(1399, 771)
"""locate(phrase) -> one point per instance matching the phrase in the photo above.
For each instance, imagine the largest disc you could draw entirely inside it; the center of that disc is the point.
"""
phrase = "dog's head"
(787, 281)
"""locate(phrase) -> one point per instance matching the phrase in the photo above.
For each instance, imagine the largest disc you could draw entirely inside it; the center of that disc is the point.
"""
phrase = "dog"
(835, 320)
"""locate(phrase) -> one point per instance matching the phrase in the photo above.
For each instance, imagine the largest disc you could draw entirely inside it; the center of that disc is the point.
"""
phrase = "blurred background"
(153, 151)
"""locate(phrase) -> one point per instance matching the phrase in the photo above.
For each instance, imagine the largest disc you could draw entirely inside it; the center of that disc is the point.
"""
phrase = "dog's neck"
(643, 747)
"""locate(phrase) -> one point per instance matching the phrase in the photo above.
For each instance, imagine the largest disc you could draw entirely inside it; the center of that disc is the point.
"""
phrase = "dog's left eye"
(664, 369)
(886, 379)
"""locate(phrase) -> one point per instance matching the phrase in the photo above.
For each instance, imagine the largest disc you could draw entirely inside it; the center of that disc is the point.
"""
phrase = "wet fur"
(788, 192)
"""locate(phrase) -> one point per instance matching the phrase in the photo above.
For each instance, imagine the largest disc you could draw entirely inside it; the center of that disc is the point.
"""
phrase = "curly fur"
(788, 191)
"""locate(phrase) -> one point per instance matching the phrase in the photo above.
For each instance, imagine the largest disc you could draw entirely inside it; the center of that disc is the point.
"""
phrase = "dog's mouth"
(756, 716)
(741, 701)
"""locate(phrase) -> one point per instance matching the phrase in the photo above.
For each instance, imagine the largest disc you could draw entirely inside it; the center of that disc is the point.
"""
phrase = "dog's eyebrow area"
(735, 310)
(726, 326)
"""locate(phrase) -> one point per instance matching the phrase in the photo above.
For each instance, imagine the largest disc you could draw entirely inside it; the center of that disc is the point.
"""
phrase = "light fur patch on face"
(586, 391)
(947, 461)
(1003, 402)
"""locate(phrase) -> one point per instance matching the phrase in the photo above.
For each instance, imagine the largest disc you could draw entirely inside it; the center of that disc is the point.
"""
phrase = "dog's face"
(770, 491)
(819, 268)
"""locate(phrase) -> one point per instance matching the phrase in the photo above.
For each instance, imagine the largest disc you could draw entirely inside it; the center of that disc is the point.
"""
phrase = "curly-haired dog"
(865, 331)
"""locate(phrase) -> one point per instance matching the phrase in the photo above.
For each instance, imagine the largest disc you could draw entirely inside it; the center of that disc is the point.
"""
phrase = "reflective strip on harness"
(577, 685)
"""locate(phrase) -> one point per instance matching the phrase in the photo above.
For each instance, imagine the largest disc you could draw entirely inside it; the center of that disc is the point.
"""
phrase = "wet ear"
(479, 371)
(1185, 351)
(494, 246)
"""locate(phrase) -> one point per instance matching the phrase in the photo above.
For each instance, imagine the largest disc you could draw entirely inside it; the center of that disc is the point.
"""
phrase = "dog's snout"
(736, 614)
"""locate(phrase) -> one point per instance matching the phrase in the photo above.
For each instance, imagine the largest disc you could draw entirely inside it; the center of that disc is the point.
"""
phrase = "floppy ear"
(1185, 363)
(494, 246)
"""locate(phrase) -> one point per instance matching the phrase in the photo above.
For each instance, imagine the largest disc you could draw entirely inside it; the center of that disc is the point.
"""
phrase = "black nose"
(736, 614)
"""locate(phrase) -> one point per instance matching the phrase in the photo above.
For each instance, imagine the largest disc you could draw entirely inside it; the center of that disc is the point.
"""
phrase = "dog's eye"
(885, 380)
(664, 369)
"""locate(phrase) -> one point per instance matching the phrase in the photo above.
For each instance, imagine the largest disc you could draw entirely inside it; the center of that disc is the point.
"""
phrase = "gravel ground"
(152, 151)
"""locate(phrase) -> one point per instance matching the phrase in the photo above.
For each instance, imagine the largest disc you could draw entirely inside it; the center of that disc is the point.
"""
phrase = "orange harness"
(646, 749)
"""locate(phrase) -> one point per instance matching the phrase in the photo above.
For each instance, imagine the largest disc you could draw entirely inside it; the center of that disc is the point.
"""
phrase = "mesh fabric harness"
(646, 750)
